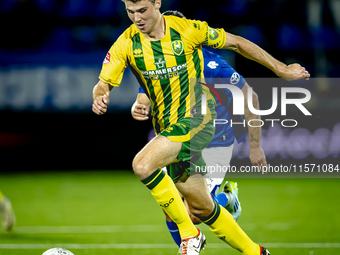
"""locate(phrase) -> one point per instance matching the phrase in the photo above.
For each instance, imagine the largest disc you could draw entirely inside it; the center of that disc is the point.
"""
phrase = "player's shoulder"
(216, 58)
(184, 24)
(124, 42)
(129, 33)
(210, 54)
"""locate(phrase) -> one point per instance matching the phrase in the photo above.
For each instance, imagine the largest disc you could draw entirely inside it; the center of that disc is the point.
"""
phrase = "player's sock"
(223, 225)
(174, 231)
(164, 191)
(1, 196)
(221, 199)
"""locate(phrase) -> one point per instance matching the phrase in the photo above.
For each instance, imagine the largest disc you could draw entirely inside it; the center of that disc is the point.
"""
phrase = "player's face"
(143, 14)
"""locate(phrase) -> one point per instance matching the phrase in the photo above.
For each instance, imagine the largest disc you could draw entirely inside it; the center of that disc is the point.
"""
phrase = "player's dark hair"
(173, 13)
(136, 1)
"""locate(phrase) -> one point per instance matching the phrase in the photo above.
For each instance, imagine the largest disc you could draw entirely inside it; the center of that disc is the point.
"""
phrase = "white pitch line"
(157, 246)
(301, 245)
(88, 229)
(130, 228)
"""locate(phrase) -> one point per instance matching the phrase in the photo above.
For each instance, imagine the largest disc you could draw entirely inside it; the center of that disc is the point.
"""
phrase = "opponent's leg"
(234, 205)
(218, 158)
(157, 153)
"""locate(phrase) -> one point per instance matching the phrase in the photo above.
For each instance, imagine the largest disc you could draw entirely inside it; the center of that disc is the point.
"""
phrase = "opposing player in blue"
(219, 151)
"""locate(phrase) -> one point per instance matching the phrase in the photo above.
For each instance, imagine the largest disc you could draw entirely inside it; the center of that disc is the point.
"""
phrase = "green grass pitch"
(111, 212)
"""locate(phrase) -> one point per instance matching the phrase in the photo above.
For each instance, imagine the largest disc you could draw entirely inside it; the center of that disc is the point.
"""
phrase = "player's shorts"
(195, 133)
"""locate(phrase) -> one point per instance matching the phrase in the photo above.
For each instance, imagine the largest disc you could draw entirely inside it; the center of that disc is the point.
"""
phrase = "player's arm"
(101, 98)
(140, 109)
(110, 76)
(255, 53)
(257, 156)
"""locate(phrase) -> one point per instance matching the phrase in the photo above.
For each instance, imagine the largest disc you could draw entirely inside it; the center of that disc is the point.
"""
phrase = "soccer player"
(164, 52)
(7, 213)
(219, 151)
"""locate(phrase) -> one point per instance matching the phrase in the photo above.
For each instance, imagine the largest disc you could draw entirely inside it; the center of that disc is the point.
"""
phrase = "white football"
(57, 251)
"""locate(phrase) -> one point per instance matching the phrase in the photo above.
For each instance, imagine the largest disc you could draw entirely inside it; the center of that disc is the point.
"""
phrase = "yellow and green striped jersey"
(166, 69)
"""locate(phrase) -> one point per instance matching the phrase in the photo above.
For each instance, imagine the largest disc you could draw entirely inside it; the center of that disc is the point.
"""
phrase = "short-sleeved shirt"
(166, 69)
(216, 69)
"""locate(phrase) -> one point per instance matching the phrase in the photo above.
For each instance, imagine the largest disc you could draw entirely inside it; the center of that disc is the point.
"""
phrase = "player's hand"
(99, 105)
(258, 158)
(293, 72)
(140, 111)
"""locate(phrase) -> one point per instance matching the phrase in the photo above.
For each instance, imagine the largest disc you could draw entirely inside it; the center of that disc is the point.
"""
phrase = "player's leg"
(7, 213)
(196, 193)
(172, 226)
(202, 130)
(156, 154)
(218, 158)
(220, 221)
(220, 198)
(174, 231)
(233, 206)
(147, 165)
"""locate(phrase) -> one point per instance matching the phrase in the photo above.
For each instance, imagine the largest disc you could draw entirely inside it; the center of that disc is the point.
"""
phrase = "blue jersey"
(216, 67)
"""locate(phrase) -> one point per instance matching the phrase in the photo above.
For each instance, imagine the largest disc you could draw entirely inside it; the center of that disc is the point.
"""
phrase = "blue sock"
(173, 229)
(221, 199)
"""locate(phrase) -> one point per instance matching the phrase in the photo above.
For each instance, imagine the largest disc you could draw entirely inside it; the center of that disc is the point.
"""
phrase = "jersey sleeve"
(229, 73)
(205, 35)
(114, 64)
(141, 90)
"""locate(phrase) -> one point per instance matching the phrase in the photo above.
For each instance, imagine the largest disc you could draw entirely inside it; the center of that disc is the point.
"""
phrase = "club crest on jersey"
(213, 34)
(107, 58)
(177, 47)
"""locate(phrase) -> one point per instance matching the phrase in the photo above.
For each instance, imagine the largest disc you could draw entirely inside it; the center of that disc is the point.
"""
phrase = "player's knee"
(138, 166)
(201, 212)
(141, 167)
(194, 219)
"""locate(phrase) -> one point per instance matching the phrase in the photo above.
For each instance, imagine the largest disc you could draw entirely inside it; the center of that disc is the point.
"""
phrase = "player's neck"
(158, 31)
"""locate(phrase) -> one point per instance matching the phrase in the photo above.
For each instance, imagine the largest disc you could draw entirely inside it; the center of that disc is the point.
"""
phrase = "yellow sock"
(1, 196)
(164, 191)
(223, 225)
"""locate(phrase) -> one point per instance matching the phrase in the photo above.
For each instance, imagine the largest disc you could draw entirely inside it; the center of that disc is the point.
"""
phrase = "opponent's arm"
(255, 53)
(101, 92)
(257, 156)
(140, 109)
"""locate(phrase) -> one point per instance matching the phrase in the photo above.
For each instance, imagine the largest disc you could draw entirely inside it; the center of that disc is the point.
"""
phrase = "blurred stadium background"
(50, 58)
(51, 55)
